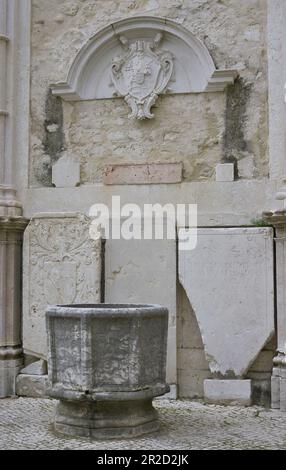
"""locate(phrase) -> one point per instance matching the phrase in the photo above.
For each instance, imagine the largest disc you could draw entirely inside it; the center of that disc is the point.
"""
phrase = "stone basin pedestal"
(106, 364)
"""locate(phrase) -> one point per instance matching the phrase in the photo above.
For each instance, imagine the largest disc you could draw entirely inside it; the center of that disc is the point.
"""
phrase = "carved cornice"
(280, 360)
(275, 218)
(13, 224)
(4, 37)
(10, 352)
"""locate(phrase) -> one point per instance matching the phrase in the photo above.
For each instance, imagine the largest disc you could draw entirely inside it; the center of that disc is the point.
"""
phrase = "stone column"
(278, 380)
(11, 229)
(12, 224)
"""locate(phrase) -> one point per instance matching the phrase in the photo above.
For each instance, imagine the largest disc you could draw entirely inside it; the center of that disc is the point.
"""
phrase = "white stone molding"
(178, 63)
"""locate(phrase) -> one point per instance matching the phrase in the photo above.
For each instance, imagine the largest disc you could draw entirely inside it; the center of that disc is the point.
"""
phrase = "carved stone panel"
(61, 265)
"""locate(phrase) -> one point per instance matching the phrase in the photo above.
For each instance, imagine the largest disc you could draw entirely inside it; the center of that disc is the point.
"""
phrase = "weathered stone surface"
(275, 392)
(228, 392)
(34, 386)
(66, 172)
(191, 383)
(61, 265)
(225, 172)
(9, 369)
(102, 135)
(143, 174)
(134, 272)
(283, 394)
(231, 264)
(106, 364)
(36, 368)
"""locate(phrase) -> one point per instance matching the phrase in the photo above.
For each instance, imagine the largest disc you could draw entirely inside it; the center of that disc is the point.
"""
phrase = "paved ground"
(26, 423)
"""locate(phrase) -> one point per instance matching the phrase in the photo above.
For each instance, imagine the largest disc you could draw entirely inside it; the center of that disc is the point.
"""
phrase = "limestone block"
(144, 174)
(225, 172)
(140, 271)
(34, 386)
(191, 383)
(9, 370)
(66, 172)
(275, 392)
(192, 359)
(228, 278)
(283, 394)
(36, 368)
(261, 392)
(61, 265)
(171, 395)
(228, 392)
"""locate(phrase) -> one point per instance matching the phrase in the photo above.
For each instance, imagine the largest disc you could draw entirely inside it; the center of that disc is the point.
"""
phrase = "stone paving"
(26, 423)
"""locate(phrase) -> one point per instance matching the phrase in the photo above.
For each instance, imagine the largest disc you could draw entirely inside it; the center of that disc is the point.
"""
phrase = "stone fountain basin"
(106, 364)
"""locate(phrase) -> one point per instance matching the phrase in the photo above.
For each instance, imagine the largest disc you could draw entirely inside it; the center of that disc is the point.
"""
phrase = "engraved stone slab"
(61, 265)
(155, 173)
(228, 279)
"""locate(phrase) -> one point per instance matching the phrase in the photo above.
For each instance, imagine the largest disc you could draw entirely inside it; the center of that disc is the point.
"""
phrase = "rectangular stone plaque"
(155, 173)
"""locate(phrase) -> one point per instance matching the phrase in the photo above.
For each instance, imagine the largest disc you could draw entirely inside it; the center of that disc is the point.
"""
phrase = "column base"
(9, 369)
(106, 419)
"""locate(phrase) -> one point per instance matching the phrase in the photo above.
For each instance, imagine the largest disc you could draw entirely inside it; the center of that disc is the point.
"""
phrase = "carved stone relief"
(61, 265)
(141, 74)
(142, 55)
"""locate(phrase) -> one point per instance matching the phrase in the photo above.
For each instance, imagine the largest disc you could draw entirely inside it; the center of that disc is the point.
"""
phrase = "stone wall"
(199, 130)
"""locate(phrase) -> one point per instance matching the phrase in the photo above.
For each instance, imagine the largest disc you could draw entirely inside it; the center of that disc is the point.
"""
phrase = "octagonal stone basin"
(106, 364)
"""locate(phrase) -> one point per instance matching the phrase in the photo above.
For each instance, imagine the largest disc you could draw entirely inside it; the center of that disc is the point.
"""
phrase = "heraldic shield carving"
(141, 74)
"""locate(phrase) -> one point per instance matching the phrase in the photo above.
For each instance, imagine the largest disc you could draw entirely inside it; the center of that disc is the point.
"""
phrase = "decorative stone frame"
(189, 67)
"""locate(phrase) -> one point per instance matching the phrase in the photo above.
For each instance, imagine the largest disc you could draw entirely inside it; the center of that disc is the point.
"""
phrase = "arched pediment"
(139, 58)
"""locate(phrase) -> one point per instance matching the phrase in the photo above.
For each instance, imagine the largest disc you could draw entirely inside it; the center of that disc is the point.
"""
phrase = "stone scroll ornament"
(141, 74)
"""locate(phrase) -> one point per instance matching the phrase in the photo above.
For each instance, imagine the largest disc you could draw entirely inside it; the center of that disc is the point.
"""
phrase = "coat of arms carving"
(141, 74)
